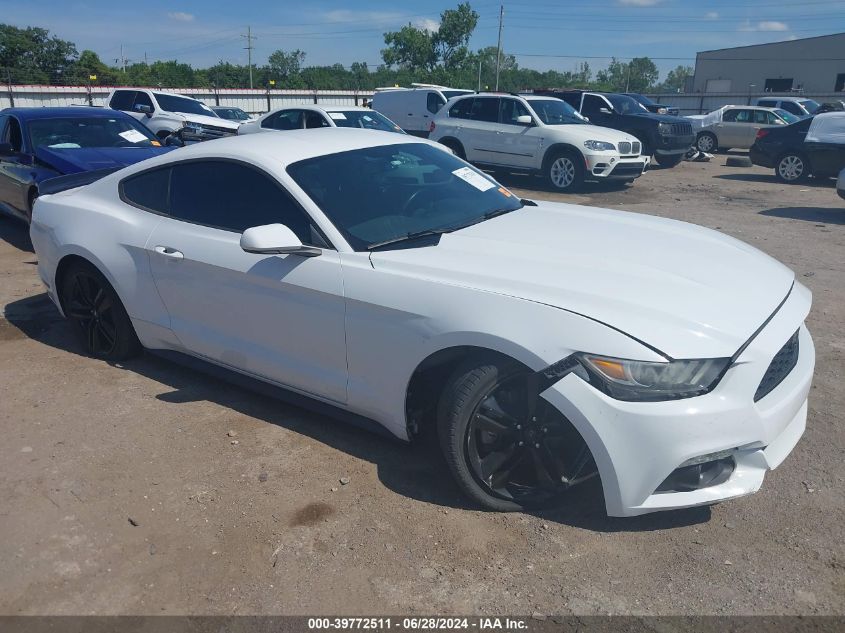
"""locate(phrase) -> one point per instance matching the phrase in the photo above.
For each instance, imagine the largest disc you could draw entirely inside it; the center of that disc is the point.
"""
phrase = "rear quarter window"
(149, 190)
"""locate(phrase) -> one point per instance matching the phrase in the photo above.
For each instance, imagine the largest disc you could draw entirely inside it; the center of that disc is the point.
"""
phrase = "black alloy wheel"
(92, 304)
(508, 447)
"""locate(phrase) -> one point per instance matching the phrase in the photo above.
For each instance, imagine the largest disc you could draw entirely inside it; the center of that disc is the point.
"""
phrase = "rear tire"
(564, 171)
(791, 168)
(90, 302)
(456, 148)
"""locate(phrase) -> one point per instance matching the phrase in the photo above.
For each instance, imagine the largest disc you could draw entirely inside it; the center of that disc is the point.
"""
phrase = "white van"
(414, 108)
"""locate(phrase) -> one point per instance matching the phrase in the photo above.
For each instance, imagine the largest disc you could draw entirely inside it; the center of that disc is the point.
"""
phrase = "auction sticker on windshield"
(474, 178)
(133, 136)
(337, 116)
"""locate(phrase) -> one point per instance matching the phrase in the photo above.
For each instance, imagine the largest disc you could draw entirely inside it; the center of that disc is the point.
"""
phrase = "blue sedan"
(41, 143)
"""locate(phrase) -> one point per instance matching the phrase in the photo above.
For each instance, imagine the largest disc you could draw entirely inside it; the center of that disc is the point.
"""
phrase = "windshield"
(625, 104)
(377, 194)
(76, 133)
(642, 99)
(811, 105)
(555, 112)
(232, 114)
(786, 116)
(185, 105)
(369, 120)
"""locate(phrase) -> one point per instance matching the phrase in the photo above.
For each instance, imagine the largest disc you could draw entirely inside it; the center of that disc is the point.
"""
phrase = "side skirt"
(273, 391)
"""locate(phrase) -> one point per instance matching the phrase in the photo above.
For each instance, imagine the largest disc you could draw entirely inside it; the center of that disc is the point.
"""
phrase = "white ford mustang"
(385, 277)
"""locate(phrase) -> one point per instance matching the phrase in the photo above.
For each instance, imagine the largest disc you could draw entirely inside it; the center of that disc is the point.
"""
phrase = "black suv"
(665, 137)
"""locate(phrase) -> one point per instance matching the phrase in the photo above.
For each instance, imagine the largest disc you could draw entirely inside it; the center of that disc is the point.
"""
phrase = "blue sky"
(544, 34)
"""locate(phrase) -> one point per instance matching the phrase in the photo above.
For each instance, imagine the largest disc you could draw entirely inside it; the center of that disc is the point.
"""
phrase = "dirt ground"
(122, 489)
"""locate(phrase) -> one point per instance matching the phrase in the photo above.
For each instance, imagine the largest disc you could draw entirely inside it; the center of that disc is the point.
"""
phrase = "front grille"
(629, 148)
(677, 129)
(783, 363)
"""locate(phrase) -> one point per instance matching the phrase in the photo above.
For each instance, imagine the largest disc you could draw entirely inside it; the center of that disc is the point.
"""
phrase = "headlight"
(193, 127)
(599, 146)
(645, 381)
(662, 110)
(664, 128)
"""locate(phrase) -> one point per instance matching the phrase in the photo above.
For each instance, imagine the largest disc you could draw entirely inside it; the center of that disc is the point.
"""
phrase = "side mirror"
(275, 239)
(525, 119)
(173, 140)
(6, 149)
(605, 111)
(143, 109)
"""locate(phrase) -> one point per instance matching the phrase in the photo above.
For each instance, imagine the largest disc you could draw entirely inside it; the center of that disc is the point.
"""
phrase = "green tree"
(89, 64)
(638, 75)
(32, 55)
(286, 64)
(452, 36)
(676, 79)
(410, 48)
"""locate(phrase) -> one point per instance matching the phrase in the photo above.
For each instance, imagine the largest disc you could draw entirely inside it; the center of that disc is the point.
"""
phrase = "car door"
(481, 132)
(517, 144)
(598, 110)
(280, 317)
(734, 128)
(16, 168)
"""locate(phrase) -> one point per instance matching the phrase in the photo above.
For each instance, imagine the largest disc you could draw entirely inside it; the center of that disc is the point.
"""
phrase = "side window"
(122, 100)
(767, 103)
(572, 98)
(745, 116)
(761, 116)
(284, 120)
(233, 197)
(792, 108)
(729, 116)
(315, 120)
(13, 134)
(510, 110)
(433, 102)
(461, 109)
(485, 109)
(142, 98)
(149, 190)
(592, 104)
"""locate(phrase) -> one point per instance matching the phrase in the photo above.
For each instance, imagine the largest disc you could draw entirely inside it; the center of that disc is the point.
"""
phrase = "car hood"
(209, 120)
(72, 161)
(687, 291)
(588, 131)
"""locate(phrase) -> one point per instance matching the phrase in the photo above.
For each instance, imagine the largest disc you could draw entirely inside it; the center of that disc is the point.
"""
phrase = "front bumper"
(840, 184)
(672, 145)
(614, 167)
(637, 445)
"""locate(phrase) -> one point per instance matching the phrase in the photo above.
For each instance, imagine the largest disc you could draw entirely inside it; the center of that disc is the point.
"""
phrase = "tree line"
(32, 55)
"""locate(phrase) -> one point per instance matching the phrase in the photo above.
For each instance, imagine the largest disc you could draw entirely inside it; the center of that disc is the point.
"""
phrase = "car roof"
(71, 111)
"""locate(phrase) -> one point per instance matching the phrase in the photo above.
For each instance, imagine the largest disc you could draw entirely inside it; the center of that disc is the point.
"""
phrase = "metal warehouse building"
(811, 65)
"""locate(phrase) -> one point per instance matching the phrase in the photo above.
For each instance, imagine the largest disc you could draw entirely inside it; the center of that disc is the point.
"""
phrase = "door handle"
(169, 252)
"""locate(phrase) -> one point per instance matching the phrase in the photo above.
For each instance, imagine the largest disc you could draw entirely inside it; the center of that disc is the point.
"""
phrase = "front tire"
(90, 302)
(508, 448)
(456, 147)
(707, 143)
(564, 172)
(792, 167)
(668, 161)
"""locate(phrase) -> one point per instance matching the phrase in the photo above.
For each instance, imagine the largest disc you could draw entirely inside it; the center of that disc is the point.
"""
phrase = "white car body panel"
(536, 284)
(326, 112)
(164, 121)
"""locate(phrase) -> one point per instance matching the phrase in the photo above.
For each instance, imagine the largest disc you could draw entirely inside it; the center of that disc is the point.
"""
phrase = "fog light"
(697, 476)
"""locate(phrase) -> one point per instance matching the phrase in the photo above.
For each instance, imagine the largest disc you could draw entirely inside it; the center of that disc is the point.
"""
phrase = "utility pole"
(499, 45)
(122, 61)
(249, 37)
(479, 73)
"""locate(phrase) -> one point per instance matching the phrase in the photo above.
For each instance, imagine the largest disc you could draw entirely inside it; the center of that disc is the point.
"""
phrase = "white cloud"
(181, 16)
(427, 24)
(765, 25)
(375, 17)
(711, 15)
(640, 3)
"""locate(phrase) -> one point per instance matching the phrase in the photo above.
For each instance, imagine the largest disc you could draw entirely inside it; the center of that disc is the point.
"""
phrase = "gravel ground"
(148, 488)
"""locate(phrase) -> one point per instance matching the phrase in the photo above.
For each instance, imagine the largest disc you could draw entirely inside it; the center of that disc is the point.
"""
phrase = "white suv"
(165, 113)
(537, 135)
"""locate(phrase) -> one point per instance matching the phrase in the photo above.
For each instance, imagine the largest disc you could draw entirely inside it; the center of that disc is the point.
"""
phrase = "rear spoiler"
(72, 181)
